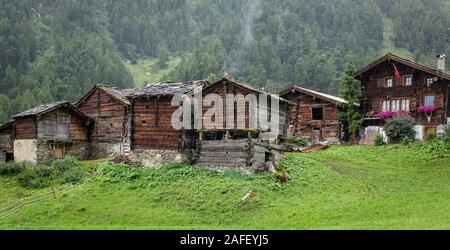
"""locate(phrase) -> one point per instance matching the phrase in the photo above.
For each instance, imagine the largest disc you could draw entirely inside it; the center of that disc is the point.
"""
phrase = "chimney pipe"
(441, 62)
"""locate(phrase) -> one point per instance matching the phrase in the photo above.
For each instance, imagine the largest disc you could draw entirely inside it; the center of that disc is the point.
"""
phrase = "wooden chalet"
(6, 142)
(414, 85)
(110, 110)
(51, 131)
(233, 147)
(314, 115)
(152, 112)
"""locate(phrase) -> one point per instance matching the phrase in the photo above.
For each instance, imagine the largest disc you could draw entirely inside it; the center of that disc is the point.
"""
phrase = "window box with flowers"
(427, 110)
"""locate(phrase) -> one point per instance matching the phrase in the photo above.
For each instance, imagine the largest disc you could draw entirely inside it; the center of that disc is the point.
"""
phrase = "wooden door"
(316, 138)
(58, 152)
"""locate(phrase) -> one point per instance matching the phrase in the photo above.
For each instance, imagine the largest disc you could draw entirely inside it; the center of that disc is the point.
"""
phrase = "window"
(405, 105)
(395, 105)
(408, 80)
(429, 100)
(317, 114)
(389, 82)
(386, 106)
(429, 81)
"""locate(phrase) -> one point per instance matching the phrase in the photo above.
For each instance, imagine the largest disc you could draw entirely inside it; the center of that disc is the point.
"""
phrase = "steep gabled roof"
(164, 89)
(248, 87)
(46, 108)
(114, 92)
(392, 57)
(323, 96)
(6, 125)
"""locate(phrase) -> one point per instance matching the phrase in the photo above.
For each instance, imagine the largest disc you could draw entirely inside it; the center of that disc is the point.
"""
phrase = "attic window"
(429, 81)
(408, 80)
(389, 82)
(317, 114)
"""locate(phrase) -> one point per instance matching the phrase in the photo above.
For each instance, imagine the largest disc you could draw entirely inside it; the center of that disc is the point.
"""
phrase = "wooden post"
(227, 135)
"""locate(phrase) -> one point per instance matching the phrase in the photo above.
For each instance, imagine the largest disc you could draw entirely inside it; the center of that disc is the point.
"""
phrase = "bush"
(430, 135)
(406, 141)
(400, 127)
(67, 170)
(11, 168)
(446, 138)
(40, 176)
(297, 141)
(379, 140)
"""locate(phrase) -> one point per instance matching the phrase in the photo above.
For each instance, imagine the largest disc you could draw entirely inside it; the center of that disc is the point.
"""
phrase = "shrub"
(297, 141)
(11, 168)
(39, 176)
(379, 140)
(406, 141)
(400, 127)
(446, 138)
(430, 135)
(67, 170)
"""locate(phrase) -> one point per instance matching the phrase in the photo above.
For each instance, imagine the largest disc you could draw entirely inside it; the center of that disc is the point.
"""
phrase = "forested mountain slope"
(54, 50)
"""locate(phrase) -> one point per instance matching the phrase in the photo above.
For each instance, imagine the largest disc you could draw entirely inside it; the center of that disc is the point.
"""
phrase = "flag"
(397, 74)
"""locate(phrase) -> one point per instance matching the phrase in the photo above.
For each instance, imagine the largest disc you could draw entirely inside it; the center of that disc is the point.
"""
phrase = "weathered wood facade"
(417, 85)
(238, 144)
(111, 112)
(6, 142)
(314, 115)
(152, 112)
(49, 132)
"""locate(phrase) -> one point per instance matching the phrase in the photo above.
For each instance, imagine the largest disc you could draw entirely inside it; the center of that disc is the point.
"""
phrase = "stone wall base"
(157, 158)
(100, 150)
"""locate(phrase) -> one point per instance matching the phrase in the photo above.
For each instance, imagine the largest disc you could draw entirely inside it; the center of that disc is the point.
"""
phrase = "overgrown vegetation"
(11, 168)
(57, 172)
(379, 140)
(296, 140)
(344, 187)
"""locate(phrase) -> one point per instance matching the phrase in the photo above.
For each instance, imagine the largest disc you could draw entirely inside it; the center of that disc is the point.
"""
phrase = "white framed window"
(405, 105)
(429, 81)
(386, 106)
(429, 100)
(395, 105)
(408, 80)
(389, 82)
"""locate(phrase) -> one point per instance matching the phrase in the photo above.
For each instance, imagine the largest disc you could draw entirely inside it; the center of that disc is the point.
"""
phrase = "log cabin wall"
(376, 92)
(229, 87)
(25, 128)
(302, 122)
(152, 126)
(110, 116)
(6, 142)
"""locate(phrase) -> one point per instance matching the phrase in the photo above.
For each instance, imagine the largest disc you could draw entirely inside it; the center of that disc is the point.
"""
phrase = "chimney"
(441, 62)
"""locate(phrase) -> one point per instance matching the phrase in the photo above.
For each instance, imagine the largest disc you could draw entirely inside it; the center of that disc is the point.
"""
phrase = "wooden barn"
(153, 138)
(392, 83)
(314, 115)
(6, 142)
(110, 110)
(229, 146)
(51, 131)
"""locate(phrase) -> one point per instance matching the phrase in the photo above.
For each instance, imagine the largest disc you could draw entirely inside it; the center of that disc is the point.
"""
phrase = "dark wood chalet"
(152, 112)
(414, 85)
(236, 142)
(314, 115)
(111, 111)
(6, 142)
(51, 131)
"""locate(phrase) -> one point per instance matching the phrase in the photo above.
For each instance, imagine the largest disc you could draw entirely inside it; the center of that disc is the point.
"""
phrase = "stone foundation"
(25, 151)
(158, 158)
(100, 150)
(77, 149)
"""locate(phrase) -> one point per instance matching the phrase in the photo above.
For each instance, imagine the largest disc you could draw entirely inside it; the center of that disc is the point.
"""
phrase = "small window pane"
(408, 81)
(429, 81)
(429, 100)
(389, 82)
(317, 114)
(405, 105)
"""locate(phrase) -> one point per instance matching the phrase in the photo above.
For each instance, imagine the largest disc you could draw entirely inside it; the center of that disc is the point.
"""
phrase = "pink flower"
(427, 109)
(391, 114)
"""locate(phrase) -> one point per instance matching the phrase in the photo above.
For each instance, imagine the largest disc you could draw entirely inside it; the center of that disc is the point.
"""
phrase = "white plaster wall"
(419, 132)
(25, 151)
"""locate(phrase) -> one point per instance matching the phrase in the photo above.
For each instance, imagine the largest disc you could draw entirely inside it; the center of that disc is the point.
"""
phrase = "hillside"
(358, 187)
(53, 50)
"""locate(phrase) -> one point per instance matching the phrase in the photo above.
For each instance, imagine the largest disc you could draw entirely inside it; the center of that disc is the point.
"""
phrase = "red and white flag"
(397, 74)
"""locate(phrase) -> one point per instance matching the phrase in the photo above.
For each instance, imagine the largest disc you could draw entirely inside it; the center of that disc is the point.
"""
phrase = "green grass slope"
(149, 70)
(357, 187)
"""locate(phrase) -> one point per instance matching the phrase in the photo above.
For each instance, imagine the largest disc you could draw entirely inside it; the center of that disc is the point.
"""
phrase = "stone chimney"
(441, 62)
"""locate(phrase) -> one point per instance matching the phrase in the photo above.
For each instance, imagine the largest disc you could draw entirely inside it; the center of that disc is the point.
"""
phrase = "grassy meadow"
(344, 187)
